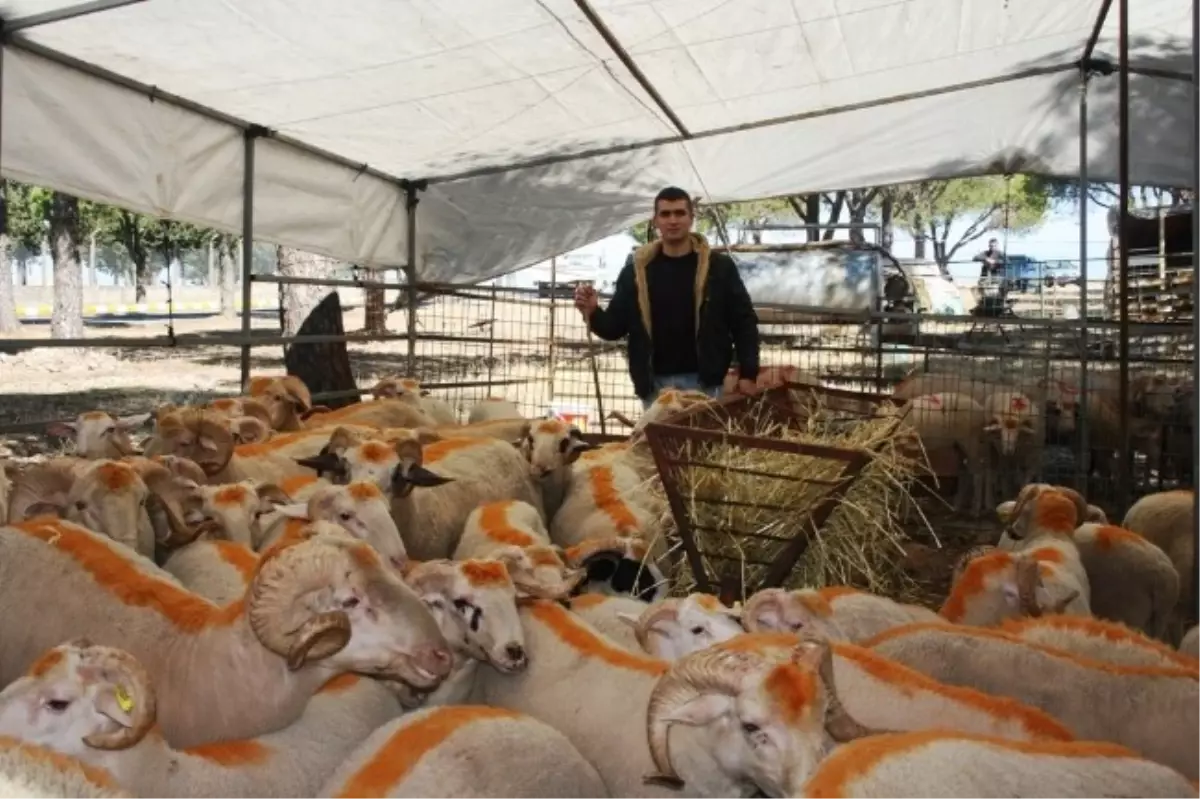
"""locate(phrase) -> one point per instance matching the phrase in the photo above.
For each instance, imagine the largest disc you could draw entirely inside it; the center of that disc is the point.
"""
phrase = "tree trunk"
(812, 217)
(228, 266)
(887, 220)
(918, 231)
(835, 215)
(141, 275)
(91, 270)
(375, 300)
(210, 281)
(66, 321)
(324, 366)
(299, 300)
(9, 323)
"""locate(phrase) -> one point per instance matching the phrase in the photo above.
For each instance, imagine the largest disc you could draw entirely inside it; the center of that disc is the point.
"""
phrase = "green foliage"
(931, 209)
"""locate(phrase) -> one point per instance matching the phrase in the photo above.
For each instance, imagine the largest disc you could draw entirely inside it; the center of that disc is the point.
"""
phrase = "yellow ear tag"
(124, 700)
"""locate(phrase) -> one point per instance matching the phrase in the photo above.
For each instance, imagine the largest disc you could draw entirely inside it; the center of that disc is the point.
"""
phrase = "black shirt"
(672, 285)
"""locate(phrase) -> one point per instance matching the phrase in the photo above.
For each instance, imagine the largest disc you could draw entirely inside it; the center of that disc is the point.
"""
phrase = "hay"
(859, 544)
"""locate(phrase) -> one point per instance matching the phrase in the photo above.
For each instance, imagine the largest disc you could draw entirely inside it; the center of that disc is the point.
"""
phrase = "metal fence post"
(249, 137)
(410, 270)
(1082, 457)
(553, 313)
(1125, 469)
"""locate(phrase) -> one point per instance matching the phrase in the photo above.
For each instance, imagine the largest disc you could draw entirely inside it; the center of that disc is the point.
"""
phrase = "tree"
(1105, 194)
(63, 214)
(9, 323)
(375, 302)
(968, 209)
(136, 234)
(227, 271)
(300, 299)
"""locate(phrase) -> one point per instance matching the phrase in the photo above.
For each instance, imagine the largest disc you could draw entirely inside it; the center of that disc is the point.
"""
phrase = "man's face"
(992, 245)
(673, 218)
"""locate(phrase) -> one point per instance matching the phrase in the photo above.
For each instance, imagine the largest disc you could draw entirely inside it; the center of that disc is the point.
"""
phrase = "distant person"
(659, 293)
(993, 261)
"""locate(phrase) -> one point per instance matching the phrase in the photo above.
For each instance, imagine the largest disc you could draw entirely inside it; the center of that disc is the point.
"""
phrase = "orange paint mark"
(239, 556)
(366, 557)
(400, 754)
(1047, 555)
(231, 495)
(493, 520)
(604, 494)
(847, 764)
(128, 584)
(225, 404)
(342, 682)
(589, 645)
(972, 582)
(1109, 536)
(588, 601)
(544, 556)
(483, 573)
(20, 750)
(376, 452)
(364, 491)
(94, 416)
(1055, 513)
(792, 690)
(341, 413)
(232, 754)
(277, 442)
(814, 603)
(551, 427)
(296, 483)
(46, 663)
(1098, 628)
(833, 592)
(997, 635)
(432, 453)
(707, 602)
(117, 476)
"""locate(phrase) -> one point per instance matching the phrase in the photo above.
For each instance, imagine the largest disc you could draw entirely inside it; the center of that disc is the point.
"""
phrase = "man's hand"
(747, 387)
(586, 300)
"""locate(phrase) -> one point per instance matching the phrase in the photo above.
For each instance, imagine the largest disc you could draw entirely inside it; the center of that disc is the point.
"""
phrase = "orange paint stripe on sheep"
(583, 640)
(239, 556)
(604, 495)
(232, 754)
(59, 762)
(439, 450)
(1099, 628)
(296, 483)
(493, 520)
(277, 442)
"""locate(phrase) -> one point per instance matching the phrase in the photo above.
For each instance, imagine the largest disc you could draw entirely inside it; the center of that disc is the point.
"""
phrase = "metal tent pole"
(410, 270)
(1124, 466)
(249, 137)
(1083, 455)
(1192, 602)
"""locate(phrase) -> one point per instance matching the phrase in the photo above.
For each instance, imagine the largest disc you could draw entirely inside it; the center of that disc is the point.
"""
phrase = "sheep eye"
(562, 446)
(57, 705)
(749, 728)
(345, 515)
(350, 602)
(461, 605)
(81, 505)
(697, 631)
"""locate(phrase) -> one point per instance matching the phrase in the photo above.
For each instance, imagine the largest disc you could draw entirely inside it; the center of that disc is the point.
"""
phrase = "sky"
(1056, 239)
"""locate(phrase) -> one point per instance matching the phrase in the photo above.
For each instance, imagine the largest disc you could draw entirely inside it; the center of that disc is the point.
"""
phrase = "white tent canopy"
(541, 125)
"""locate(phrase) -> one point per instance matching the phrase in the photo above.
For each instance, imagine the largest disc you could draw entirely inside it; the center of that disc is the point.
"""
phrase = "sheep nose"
(515, 653)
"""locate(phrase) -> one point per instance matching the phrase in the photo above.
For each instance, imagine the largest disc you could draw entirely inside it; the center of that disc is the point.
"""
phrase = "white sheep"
(492, 409)
(943, 421)
(1150, 709)
(28, 770)
(678, 626)
(1166, 520)
(422, 755)
(836, 612)
(292, 631)
(5, 487)
(98, 435)
(379, 413)
(925, 384)
(1190, 645)
(551, 446)
(453, 477)
(606, 500)
(619, 566)
(513, 533)
(938, 763)
(286, 397)
(600, 696)
(1041, 525)
(1106, 641)
(607, 615)
(1002, 585)
(110, 705)
(218, 570)
(1014, 433)
(409, 390)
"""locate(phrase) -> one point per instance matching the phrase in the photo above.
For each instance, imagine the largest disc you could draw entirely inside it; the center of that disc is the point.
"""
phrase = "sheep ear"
(1004, 511)
(628, 618)
(108, 703)
(701, 711)
(1011, 594)
(296, 510)
(134, 421)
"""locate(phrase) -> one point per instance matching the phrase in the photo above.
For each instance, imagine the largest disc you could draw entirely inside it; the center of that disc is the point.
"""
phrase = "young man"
(683, 306)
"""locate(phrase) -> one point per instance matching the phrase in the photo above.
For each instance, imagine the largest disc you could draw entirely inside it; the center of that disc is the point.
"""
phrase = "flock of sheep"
(276, 599)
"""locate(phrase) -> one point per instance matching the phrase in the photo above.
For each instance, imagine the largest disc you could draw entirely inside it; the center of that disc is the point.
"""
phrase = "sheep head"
(199, 436)
(99, 435)
(286, 399)
(394, 467)
(79, 697)
(360, 509)
(619, 566)
(324, 597)
(780, 610)
(539, 571)
(677, 627)
(551, 446)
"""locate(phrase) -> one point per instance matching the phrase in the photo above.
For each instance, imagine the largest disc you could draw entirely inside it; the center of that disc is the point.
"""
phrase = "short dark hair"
(671, 193)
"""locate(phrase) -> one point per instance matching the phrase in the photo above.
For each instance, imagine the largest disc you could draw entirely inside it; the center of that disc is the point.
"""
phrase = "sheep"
(1133, 581)
(110, 707)
(513, 533)
(5, 487)
(1165, 519)
(1015, 432)
(696, 693)
(942, 421)
(675, 627)
(926, 384)
(1100, 640)
(602, 502)
(287, 399)
(29, 770)
(503, 429)
(290, 633)
(1190, 645)
(234, 408)
(98, 435)
(409, 390)
(608, 614)
(938, 763)
(380, 413)
(229, 511)
(837, 612)
(1150, 709)
(1042, 526)
(108, 497)
(1002, 585)
(551, 446)
(493, 409)
(619, 566)
(422, 755)
(457, 475)
(220, 571)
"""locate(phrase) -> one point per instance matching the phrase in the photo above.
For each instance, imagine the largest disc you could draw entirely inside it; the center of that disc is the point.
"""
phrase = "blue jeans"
(689, 381)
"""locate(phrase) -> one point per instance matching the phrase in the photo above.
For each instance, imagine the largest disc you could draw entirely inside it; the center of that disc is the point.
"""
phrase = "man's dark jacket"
(725, 318)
